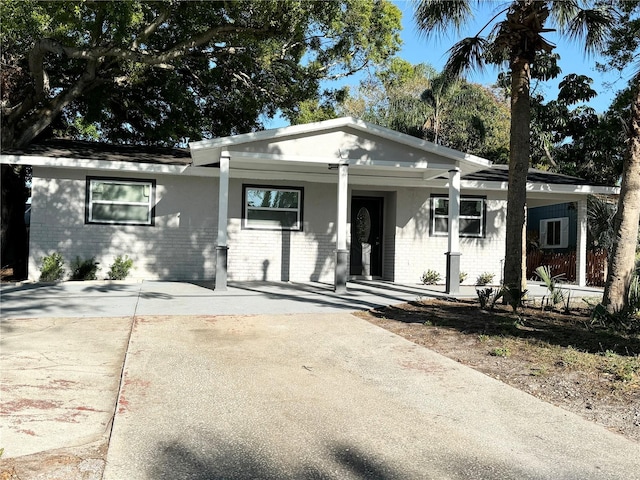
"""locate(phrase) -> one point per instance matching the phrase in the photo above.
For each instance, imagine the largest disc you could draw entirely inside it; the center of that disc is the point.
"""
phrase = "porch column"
(342, 254)
(223, 209)
(581, 244)
(453, 253)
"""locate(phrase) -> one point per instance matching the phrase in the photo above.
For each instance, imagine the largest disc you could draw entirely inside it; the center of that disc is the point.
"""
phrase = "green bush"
(84, 269)
(120, 268)
(485, 278)
(52, 268)
(430, 277)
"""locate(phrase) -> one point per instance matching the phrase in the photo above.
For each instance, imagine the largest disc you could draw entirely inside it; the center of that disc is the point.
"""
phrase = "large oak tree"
(164, 72)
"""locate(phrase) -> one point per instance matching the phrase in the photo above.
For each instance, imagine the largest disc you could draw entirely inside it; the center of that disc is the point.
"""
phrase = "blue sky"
(573, 59)
(418, 49)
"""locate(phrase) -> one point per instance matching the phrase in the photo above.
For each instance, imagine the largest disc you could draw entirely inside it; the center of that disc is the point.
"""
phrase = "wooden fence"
(565, 264)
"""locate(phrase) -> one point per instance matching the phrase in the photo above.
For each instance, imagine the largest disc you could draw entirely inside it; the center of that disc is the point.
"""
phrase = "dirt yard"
(561, 359)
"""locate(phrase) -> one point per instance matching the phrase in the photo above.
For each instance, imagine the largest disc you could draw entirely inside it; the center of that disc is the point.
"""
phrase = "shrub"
(488, 297)
(485, 278)
(120, 268)
(84, 269)
(52, 268)
(430, 277)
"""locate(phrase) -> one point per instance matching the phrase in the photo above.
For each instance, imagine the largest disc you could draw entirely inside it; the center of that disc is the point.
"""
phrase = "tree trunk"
(12, 228)
(515, 249)
(616, 293)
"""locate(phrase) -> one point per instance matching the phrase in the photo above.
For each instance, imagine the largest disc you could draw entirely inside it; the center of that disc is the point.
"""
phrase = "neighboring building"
(553, 227)
(316, 202)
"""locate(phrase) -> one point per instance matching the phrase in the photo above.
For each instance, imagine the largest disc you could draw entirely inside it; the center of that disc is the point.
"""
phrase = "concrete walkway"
(116, 299)
(298, 396)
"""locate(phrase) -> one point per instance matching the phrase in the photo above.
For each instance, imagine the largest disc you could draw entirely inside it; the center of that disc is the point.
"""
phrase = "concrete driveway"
(297, 396)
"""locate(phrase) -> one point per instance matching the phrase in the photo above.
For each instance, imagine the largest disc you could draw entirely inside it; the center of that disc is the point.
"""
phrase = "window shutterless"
(272, 208)
(120, 201)
(471, 220)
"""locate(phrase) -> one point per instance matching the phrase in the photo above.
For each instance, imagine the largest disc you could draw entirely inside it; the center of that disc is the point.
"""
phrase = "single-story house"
(323, 202)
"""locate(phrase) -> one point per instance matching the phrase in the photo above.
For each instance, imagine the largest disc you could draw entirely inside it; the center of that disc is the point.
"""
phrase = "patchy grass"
(560, 358)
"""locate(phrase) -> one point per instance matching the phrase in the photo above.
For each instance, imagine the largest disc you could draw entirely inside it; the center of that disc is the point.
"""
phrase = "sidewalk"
(115, 299)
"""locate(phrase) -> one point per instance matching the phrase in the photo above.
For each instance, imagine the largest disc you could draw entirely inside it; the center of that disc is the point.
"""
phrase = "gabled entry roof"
(343, 140)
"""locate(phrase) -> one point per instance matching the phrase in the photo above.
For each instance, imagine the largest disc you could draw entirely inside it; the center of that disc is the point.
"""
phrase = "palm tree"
(622, 265)
(624, 49)
(517, 40)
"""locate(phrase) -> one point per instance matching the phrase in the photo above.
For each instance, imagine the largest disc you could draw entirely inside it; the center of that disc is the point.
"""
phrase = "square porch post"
(342, 254)
(223, 209)
(453, 243)
(581, 244)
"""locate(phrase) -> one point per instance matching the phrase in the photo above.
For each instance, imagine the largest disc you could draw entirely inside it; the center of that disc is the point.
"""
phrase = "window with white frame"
(471, 221)
(120, 201)
(272, 208)
(554, 232)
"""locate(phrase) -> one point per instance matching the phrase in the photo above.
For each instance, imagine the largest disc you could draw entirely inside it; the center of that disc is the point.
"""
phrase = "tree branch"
(151, 28)
(160, 59)
(46, 114)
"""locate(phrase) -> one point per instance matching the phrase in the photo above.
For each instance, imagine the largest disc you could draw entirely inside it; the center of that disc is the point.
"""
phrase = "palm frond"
(592, 25)
(466, 55)
(438, 16)
(564, 11)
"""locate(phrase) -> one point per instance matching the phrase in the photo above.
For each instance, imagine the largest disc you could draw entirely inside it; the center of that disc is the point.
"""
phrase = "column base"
(340, 284)
(453, 273)
(221, 268)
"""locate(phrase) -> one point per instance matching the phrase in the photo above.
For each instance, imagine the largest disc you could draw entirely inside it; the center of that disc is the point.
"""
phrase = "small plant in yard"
(120, 268)
(500, 352)
(485, 279)
(430, 277)
(488, 297)
(515, 296)
(463, 276)
(84, 269)
(555, 294)
(52, 268)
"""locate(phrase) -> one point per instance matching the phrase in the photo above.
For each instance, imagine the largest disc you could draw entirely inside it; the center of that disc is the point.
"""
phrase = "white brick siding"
(285, 256)
(180, 246)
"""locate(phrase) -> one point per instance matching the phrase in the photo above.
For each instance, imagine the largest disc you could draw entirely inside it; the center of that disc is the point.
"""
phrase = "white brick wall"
(180, 246)
(285, 256)
(417, 251)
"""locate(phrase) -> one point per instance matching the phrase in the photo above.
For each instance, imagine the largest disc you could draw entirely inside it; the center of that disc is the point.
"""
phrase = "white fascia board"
(118, 166)
(329, 177)
(419, 165)
(257, 158)
(542, 188)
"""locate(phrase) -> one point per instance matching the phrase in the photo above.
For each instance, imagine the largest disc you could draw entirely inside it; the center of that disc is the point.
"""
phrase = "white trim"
(223, 202)
(270, 158)
(543, 188)
(107, 165)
